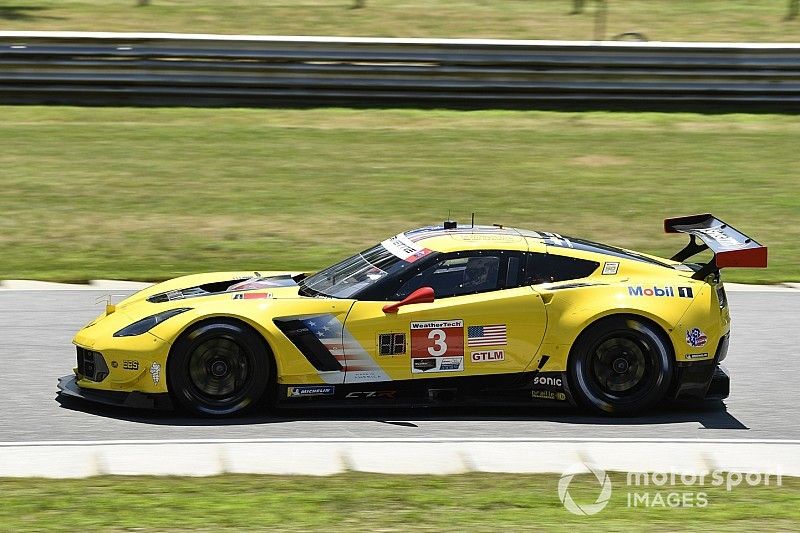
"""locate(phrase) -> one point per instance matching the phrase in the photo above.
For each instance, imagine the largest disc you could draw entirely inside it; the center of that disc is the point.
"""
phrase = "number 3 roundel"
(437, 338)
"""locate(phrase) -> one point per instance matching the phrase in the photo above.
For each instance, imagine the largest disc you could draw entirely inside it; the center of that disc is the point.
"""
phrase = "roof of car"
(430, 232)
(446, 239)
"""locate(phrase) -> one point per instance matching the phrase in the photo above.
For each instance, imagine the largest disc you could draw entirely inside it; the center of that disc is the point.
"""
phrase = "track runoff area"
(755, 432)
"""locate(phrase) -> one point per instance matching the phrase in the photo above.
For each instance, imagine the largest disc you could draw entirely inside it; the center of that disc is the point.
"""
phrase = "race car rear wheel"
(621, 366)
(218, 368)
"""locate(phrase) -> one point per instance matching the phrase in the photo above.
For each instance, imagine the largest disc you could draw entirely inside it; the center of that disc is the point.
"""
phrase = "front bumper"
(68, 386)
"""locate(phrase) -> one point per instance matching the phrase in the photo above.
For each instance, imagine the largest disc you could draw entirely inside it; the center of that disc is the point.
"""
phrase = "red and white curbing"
(324, 457)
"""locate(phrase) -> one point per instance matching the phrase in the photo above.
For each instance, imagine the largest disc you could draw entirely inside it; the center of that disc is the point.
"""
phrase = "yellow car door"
(495, 332)
(480, 320)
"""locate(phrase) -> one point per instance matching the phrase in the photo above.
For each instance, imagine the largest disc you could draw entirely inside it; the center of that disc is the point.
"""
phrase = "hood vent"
(220, 287)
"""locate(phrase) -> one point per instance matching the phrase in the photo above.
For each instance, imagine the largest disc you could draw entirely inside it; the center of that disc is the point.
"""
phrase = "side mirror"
(423, 295)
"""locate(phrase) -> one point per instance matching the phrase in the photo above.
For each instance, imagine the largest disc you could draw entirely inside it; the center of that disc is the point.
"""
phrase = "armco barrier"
(197, 70)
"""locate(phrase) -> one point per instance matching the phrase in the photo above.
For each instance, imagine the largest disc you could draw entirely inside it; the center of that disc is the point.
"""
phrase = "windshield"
(354, 274)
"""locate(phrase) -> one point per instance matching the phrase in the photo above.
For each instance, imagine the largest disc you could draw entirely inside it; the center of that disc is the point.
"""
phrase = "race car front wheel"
(621, 366)
(218, 368)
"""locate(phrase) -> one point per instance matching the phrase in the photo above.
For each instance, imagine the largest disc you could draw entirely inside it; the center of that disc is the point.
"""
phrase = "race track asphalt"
(36, 328)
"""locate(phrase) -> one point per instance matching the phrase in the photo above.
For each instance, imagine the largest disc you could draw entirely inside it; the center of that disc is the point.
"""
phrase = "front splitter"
(68, 386)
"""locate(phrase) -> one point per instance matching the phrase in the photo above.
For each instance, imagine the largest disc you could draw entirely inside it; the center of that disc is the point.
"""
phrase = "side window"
(454, 276)
(546, 268)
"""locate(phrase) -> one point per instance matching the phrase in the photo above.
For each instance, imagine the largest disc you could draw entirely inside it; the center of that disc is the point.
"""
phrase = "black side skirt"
(524, 388)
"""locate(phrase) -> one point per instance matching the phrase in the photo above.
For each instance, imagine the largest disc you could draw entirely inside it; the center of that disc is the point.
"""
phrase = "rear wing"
(731, 247)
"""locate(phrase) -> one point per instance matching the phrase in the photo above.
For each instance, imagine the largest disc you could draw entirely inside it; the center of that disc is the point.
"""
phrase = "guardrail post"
(794, 8)
(600, 12)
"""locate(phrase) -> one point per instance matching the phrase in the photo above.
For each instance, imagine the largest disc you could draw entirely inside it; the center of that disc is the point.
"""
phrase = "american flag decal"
(493, 335)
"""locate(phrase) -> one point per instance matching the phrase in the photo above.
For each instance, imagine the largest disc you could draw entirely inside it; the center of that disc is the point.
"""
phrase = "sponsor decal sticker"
(647, 291)
(252, 295)
(437, 346)
(130, 365)
(548, 386)
(423, 365)
(155, 373)
(486, 237)
(548, 395)
(402, 247)
(361, 376)
(685, 292)
(609, 269)
(358, 364)
(557, 240)
(716, 233)
(311, 390)
(114, 364)
(550, 381)
(451, 364)
(437, 364)
(437, 338)
(696, 356)
(696, 338)
(382, 394)
(494, 335)
(487, 356)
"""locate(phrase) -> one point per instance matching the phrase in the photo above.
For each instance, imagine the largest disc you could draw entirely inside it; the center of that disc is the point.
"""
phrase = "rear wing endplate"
(731, 247)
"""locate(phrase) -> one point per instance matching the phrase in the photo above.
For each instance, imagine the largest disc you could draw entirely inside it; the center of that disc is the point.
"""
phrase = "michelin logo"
(295, 392)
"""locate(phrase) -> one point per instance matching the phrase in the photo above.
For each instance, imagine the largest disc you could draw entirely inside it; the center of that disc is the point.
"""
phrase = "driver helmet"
(478, 271)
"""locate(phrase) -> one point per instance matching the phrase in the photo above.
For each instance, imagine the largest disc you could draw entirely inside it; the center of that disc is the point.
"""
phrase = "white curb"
(323, 457)
(742, 287)
(93, 285)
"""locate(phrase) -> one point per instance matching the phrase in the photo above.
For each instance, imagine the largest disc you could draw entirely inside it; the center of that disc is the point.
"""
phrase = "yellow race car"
(437, 315)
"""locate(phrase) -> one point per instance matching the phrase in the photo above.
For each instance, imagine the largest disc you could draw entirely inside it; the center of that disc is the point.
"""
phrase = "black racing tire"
(218, 368)
(621, 366)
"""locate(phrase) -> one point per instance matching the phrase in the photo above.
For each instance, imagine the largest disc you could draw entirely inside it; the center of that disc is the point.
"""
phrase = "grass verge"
(699, 20)
(128, 193)
(366, 502)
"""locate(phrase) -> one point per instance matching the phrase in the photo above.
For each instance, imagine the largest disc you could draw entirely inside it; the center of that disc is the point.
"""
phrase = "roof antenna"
(449, 224)
(473, 219)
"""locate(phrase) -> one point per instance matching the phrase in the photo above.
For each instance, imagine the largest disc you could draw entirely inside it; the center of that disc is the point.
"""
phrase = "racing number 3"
(437, 338)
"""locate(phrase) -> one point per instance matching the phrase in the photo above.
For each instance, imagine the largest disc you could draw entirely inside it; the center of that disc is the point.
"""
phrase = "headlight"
(146, 324)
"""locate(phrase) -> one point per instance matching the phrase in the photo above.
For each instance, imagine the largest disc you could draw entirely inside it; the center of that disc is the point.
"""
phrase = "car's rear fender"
(571, 310)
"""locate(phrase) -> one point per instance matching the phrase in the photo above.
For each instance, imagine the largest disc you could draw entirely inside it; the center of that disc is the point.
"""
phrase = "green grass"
(363, 502)
(662, 20)
(153, 193)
